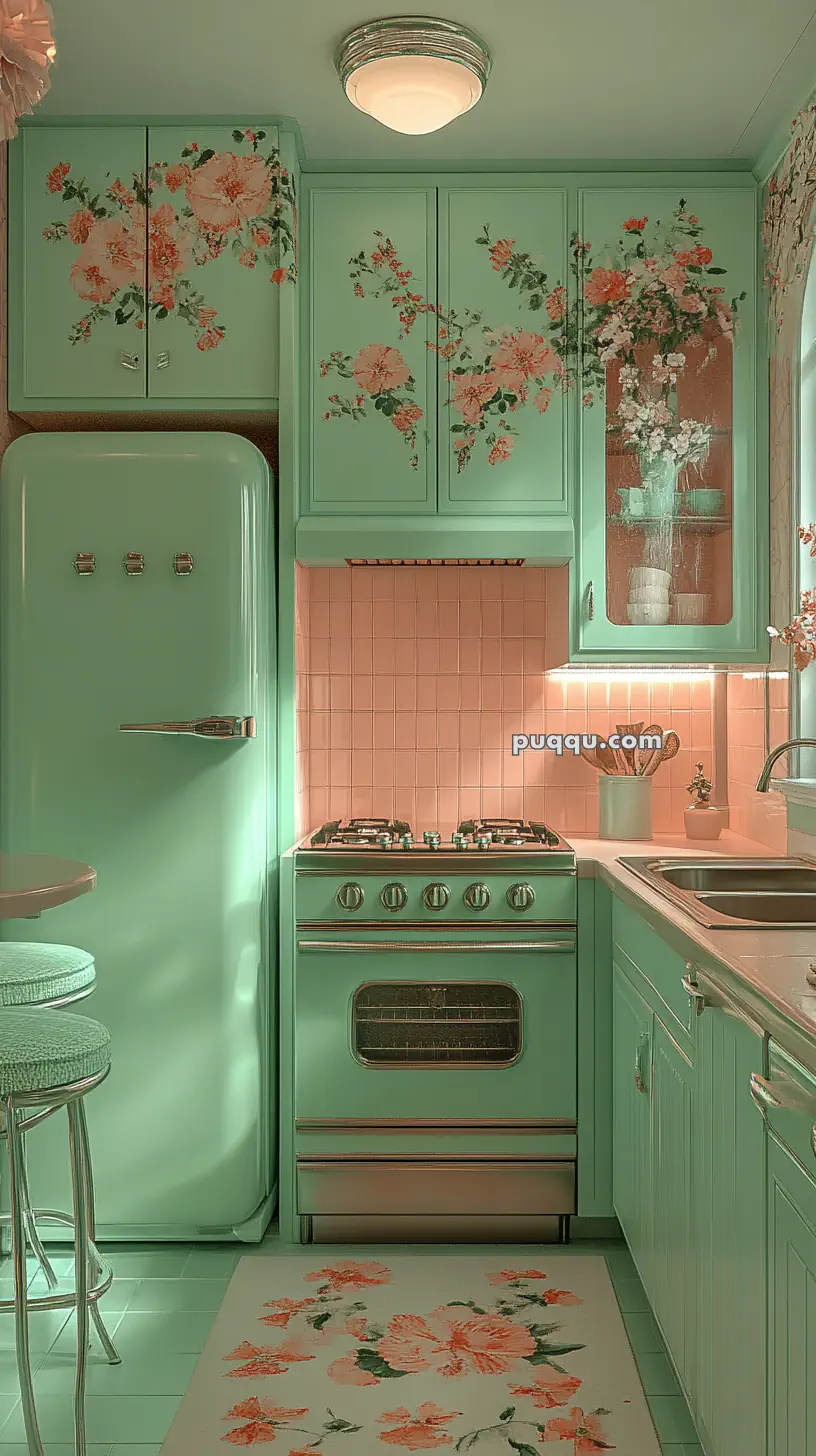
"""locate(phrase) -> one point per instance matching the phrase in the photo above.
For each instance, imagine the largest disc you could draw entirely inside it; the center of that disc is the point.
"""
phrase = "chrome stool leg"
(79, 1185)
(114, 1358)
(30, 1222)
(18, 1244)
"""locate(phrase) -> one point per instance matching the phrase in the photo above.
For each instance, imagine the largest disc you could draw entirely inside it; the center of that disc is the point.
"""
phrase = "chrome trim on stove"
(437, 927)
(451, 862)
(443, 946)
(556, 1127)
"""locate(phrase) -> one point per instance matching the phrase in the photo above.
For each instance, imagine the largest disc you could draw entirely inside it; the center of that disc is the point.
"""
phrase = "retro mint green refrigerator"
(167, 620)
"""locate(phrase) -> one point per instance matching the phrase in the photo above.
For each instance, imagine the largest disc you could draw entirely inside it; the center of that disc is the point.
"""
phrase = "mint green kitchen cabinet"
(667, 399)
(728, 1227)
(372, 385)
(65, 340)
(436, 347)
(792, 1304)
(632, 1190)
(146, 266)
(673, 1272)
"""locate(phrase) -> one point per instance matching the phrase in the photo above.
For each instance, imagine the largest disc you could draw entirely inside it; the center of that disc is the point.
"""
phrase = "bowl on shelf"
(660, 502)
(648, 614)
(704, 502)
(632, 501)
(639, 595)
(648, 577)
(691, 607)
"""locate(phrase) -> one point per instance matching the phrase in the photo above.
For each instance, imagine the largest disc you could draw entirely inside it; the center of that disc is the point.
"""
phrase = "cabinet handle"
(695, 994)
(782, 1093)
(640, 1080)
(128, 361)
(590, 601)
(163, 359)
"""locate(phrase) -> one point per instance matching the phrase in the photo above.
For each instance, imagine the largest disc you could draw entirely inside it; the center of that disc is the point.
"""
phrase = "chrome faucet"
(775, 753)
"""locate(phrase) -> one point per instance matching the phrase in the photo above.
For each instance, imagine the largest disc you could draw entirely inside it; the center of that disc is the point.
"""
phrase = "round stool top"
(40, 1050)
(31, 973)
(30, 883)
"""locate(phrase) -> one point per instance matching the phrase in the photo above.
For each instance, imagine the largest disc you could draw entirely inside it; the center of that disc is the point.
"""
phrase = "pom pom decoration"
(27, 51)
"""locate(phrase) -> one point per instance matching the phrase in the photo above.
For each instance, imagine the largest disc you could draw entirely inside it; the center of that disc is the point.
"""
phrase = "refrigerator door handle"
(217, 727)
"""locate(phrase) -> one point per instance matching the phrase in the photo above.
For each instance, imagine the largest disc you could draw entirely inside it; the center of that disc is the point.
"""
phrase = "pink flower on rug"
(453, 1342)
(584, 1430)
(357, 1327)
(347, 1372)
(226, 191)
(264, 1419)
(506, 1276)
(287, 1309)
(267, 1359)
(420, 1432)
(351, 1274)
(379, 367)
(561, 1296)
(550, 1389)
(523, 356)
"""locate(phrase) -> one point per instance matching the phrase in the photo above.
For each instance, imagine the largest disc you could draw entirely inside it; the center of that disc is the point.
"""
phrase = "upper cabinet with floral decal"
(146, 266)
(671, 547)
(437, 347)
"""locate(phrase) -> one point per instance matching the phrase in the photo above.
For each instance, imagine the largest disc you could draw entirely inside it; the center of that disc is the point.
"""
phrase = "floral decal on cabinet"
(787, 224)
(509, 1341)
(241, 202)
(492, 372)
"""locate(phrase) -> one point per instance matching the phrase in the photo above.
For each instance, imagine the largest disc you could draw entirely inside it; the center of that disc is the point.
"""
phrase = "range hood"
(406, 540)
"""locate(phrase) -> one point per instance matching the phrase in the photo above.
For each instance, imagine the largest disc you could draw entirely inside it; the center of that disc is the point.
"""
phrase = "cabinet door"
(792, 1304)
(77, 266)
(631, 1115)
(668, 497)
(372, 306)
(673, 1253)
(502, 276)
(221, 236)
(729, 1184)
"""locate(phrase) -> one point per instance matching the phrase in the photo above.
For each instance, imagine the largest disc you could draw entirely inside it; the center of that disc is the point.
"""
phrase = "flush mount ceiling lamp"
(414, 74)
(27, 52)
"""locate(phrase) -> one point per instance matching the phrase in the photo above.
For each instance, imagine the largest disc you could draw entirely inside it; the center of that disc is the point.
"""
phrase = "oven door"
(436, 1024)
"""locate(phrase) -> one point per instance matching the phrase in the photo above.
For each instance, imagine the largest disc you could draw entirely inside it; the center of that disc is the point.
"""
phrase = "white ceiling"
(571, 78)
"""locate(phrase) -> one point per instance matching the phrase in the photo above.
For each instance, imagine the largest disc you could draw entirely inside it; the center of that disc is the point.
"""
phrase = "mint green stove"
(435, 1033)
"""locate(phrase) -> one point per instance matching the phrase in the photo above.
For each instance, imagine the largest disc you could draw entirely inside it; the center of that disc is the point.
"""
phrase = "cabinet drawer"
(425, 1187)
(660, 966)
(787, 1097)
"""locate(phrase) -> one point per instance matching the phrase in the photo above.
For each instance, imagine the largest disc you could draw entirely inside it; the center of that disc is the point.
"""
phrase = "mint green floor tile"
(134, 1451)
(682, 1450)
(43, 1327)
(61, 1449)
(9, 1379)
(182, 1331)
(631, 1296)
(621, 1265)
(8, 1404)
(65, 1343)
(179, 1294)
(672, 1420)
(656, 1375)
(215, 1263)
(644, 1336)
(160, 1264)
(155, 1373)
(128, 1419)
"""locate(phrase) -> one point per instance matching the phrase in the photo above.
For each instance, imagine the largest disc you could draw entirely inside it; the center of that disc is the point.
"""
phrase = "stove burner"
(472, 834)
(512, 833)
(368, 833)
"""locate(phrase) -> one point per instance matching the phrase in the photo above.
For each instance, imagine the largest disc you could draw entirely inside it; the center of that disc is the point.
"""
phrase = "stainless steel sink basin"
(734, 893)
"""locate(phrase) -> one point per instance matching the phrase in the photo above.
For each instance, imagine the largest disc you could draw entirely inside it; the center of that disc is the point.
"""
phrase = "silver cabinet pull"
(782, 1093)
(163, 359)
(697, 996)
(224, 727)
(84, 563)
(128, 361)
(590, 601)
(447, 946)
(640, 1079)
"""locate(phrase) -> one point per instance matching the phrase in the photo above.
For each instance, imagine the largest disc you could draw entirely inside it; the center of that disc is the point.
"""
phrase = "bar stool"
(49, 1060)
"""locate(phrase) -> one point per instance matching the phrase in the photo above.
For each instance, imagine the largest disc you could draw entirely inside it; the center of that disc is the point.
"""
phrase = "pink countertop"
(756, 967)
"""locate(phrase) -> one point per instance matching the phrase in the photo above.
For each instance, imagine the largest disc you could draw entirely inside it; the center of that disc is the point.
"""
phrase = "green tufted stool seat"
(44, 1049)
(34, 973)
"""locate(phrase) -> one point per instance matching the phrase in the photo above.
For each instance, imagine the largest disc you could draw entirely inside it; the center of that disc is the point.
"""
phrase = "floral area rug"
(352, 1356)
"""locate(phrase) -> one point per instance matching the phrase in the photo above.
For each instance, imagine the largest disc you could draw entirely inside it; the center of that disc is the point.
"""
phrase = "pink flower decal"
(351, 1275)
(378, 368)
(585, 1431)
(509, 1276)
(421, 1432)
(263, 1417)
(470, 393)
(521, 357)
(176, 176)
(542, 400)
(112, 257)
(454, 1342)
(228, 190)
(57, 176)
(501, 450)
(286, 1310)
(561, 1296)
(550, 1389)
(80, 224)
(556, 304)
(168, 250)
(606, 285)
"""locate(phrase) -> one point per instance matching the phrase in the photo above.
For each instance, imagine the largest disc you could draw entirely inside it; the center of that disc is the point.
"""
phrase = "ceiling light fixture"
(413, 74)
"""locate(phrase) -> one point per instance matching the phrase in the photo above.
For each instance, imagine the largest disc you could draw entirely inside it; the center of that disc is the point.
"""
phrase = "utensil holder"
(625, 803)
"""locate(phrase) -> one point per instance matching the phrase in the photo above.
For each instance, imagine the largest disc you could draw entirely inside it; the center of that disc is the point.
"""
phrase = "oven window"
(457, 1024)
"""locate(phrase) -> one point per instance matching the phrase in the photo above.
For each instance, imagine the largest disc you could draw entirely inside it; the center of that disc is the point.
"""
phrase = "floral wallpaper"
(172, 222)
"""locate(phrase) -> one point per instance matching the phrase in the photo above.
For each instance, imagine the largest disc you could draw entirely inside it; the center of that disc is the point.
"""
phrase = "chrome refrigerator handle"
(221, 727)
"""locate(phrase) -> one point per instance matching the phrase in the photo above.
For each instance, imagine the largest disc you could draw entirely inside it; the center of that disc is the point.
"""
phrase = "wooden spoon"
(670, 749)
(646, 756)
(606, 758)
(589, 756)
(629, 753)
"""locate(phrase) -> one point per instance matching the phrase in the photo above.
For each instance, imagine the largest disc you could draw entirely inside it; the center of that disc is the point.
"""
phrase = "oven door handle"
(443, 946)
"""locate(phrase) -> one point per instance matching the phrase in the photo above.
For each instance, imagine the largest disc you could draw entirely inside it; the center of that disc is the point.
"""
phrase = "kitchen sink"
(734, 893)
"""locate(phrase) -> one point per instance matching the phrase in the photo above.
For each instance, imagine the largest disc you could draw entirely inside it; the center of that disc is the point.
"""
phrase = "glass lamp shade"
(413, 94)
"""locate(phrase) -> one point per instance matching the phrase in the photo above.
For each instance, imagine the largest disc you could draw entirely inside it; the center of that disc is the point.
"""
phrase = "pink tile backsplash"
(758, 816)
(418, 676)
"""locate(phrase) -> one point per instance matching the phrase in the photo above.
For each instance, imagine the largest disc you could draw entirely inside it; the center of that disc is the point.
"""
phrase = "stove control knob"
(350, 896)
(520, 897)
(393, 896)
(477, 897)
(435, 896)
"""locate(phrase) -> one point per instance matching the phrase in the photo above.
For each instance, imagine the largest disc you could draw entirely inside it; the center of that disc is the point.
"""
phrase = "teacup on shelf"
(704, 502)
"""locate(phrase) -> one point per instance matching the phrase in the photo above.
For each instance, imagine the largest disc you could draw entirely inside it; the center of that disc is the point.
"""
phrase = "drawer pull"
(762, 1094)
(695, 994)
(640, 1079)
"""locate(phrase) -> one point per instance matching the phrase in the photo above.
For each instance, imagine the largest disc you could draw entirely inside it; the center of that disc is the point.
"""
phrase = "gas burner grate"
(360, 833)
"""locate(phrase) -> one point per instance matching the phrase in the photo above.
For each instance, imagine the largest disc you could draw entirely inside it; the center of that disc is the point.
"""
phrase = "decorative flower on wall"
(800, 633)
(492, 373)
(787, 224)
(244, 203)
(27, 52)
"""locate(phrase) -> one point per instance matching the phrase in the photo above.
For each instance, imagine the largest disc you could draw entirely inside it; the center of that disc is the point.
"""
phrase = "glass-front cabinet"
(670, 552)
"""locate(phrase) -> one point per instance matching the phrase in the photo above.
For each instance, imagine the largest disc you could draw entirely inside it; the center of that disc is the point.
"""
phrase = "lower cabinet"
(674, 1283)
(632, 1021)
(792, 1305)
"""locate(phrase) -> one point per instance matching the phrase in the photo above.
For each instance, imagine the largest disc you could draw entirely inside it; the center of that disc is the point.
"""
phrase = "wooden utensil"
(629, 753)
(589, 756)
(671, 746)
(645, 758)
(607, 760)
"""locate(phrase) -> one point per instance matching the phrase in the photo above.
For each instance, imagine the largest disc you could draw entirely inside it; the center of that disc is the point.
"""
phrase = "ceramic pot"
(691, 607)
(625, 807)
(704, 821)
(704, 502)
(659, 477)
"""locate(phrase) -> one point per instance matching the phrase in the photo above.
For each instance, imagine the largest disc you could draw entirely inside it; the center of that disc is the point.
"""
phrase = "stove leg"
(305, 1228)
(564, 1229)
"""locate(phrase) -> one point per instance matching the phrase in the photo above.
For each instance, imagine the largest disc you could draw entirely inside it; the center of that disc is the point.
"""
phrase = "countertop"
(764, 971)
